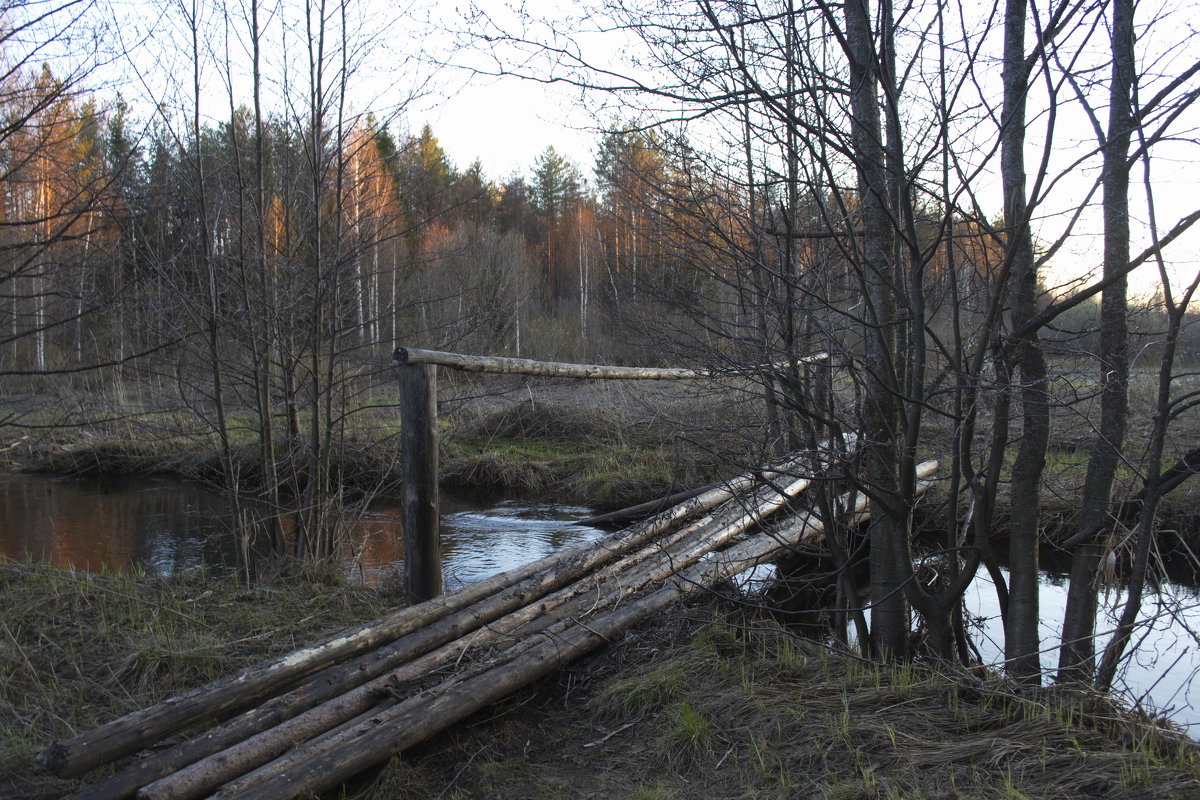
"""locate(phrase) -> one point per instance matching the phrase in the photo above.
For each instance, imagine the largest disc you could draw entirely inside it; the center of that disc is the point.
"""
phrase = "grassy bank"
(705, 703)
(570, 443)
(600, 444)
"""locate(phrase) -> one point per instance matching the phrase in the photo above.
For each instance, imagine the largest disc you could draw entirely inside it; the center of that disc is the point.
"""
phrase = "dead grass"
(78, 649)
(566, 443)
(724, 706)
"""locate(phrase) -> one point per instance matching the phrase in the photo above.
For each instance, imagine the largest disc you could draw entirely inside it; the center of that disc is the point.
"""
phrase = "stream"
(165, 526)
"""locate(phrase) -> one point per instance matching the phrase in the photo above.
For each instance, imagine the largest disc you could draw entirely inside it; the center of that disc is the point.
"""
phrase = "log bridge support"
(306, 722)
(419, 440)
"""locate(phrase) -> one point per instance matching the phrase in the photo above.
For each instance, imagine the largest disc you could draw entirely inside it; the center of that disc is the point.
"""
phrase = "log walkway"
(308, 721)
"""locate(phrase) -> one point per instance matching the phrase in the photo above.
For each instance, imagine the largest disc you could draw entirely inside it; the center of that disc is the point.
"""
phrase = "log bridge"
(308, 721)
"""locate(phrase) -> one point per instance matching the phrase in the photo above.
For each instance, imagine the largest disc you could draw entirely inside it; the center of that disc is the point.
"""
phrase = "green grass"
(689, 737)
(642, 692)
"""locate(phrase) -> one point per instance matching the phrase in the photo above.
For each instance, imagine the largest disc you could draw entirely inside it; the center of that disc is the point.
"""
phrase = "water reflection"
(165, 525)
(168, 525)
(1161, 674)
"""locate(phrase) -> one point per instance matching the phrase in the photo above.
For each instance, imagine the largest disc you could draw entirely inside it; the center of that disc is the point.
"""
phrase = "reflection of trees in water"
(374, 545)
(91, 525)
(169, 526)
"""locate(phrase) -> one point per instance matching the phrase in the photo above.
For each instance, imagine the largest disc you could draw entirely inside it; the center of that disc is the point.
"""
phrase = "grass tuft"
(689, 738)
(641, 693)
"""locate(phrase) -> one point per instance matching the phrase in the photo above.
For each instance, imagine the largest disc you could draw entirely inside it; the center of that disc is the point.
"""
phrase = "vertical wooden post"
(418, 420)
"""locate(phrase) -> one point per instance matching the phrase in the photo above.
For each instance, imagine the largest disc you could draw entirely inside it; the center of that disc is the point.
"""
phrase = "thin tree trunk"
(1076, 659)
(1021, 626)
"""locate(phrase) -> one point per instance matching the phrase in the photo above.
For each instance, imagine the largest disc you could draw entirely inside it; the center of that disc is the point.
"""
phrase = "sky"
(506, 122)
(403, 73)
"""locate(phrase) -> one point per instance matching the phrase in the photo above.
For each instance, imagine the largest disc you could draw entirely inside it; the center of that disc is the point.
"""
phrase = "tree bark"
(1021, 624)
(1077, 658)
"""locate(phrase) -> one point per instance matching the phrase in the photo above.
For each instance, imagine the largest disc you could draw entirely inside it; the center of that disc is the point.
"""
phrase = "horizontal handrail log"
(502, 365)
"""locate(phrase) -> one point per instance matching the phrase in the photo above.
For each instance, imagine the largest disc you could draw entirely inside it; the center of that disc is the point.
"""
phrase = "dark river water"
(165, 526)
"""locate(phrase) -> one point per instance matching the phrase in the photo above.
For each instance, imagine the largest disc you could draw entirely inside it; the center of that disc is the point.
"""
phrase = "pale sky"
(507, 122)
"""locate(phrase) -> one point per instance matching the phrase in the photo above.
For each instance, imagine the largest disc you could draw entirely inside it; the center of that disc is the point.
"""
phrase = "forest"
(946, 199)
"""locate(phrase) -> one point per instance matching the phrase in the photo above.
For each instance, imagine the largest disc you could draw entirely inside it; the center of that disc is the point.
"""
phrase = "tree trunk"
(1021, 626)
(889, 610)
(1077, 657)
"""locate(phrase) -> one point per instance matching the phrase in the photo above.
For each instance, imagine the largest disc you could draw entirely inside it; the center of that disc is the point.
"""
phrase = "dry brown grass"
(78, 649)
(704, 706)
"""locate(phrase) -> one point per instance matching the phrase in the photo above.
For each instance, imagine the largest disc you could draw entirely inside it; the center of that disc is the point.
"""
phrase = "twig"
(614, 732)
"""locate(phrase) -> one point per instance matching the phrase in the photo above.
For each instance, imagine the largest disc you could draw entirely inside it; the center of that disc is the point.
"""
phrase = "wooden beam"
(419, 436)
(553, 369)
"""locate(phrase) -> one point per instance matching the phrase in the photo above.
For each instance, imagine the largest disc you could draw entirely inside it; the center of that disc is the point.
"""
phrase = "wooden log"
(281, 741)
(689, 545)
(329, 762)
(495, 595)
(339, 679)
(498, 365)
(642, 510)
(523, 366)
(419, 458)
(136, 730)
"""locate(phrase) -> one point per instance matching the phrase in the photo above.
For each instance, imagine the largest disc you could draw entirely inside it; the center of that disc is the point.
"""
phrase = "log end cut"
(54, 759)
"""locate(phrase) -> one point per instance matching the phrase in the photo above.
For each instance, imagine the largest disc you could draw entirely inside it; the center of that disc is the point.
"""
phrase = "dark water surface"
(165, 526)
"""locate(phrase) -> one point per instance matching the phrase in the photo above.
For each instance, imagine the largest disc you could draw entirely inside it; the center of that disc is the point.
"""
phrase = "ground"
(712, 703)
(708, 701)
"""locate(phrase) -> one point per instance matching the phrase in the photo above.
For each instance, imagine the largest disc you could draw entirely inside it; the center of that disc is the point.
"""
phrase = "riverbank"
(556, 441)
(705, 702)
(605, 446)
